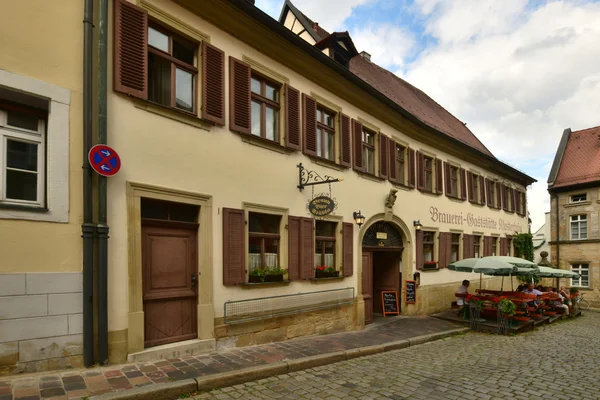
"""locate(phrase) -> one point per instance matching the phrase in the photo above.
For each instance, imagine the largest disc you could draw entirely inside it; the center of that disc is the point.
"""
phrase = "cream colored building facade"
(191, 211)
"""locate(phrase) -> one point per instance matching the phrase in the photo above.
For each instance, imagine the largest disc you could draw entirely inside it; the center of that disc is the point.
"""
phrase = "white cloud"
(387, 44)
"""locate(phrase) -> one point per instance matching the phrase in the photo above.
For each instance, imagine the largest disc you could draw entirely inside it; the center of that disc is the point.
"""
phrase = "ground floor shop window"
(325, 244)
(584, 271)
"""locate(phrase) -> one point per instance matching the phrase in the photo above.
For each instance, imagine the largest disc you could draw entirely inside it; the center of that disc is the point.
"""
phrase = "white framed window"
(578, 227)
(22, 156)
(578, 198)
(584, 275)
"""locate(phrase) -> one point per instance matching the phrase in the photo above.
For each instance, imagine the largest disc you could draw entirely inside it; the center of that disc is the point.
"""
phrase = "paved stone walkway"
(90, 382)
(558, 361)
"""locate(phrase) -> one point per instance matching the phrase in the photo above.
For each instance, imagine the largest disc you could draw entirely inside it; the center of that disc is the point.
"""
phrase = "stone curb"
(169, 391)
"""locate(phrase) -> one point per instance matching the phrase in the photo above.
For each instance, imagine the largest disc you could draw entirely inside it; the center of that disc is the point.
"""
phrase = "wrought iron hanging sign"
(322, 204)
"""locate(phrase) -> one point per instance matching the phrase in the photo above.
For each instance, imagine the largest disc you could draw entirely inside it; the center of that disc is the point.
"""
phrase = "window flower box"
(326, 272)
(430, 265)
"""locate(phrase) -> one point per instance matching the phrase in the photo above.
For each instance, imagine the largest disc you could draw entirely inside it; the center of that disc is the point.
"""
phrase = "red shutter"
(384, 154)
(468, 246)
(292, 118)
(447, 180)
(445, 249)
(470, 185)
(239, 96)
(482, 189)
(357, 142)
(420, 171)
(307, 240)
(499, 196)
(348, 249)
(411, 168)
(393, 173)
(439, 177)
(310, 125)
(234, 253)
(213, 84)
(294, 248)
(487, 246)
(346, 139)
(419, 249)
(463, 184)
(130, 73)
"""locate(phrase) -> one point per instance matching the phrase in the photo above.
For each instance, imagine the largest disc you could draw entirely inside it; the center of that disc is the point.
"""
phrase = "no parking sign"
(104, 160)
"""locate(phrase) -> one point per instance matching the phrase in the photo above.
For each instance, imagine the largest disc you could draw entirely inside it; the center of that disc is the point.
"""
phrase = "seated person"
(565, 295)
(463, 289)
(558, 303)
(532, 290)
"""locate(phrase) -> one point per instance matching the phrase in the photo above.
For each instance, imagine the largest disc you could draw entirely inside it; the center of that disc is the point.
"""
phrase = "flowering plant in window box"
(322, 271)
(430, 264)
(266, 274)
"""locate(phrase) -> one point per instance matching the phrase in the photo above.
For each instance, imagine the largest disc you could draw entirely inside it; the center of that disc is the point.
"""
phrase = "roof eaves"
(307, 25)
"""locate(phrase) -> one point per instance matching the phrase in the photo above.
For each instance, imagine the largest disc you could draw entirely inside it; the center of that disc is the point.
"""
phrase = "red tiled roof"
(415, 102)
(581, 159)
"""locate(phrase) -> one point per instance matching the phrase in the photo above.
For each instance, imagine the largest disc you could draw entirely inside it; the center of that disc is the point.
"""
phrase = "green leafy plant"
(260, 272)
(506, 306)
(523, 244)
(275, 271)
(573, 290)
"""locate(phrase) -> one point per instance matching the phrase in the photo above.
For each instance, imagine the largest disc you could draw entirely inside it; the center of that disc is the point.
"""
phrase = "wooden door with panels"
(170, 271)
(367, 285)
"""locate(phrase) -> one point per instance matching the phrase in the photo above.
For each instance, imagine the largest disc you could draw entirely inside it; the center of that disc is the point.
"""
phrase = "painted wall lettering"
(472, 220)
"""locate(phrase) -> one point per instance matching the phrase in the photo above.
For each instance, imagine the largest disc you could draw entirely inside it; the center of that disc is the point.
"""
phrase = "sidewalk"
(167, 379)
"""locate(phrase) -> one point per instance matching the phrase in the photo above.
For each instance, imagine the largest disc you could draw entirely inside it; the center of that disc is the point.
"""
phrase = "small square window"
(578, 198)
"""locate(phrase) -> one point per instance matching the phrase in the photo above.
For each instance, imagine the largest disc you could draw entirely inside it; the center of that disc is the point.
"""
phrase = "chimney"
(315, 25)
(365, 55)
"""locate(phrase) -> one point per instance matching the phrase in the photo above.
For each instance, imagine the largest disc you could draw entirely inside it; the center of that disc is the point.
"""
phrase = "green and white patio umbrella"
(495, 266)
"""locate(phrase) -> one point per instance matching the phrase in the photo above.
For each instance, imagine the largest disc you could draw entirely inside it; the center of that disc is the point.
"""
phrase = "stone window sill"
(332, 278)
(258, 284)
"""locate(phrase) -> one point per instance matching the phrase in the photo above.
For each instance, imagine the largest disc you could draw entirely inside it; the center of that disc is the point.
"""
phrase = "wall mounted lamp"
(417, 224)
(417, 278)
(358, 218)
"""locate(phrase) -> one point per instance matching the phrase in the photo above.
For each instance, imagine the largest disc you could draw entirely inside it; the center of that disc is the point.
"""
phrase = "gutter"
(87, 228)
(282, 31)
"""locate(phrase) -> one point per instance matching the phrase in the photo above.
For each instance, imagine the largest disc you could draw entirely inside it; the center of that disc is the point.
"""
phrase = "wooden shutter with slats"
(419, 249)
(239, 97)
(468, 246)
(487, 246)
(213, 84)
(346, 141)
(294, 248)
(448, 180)
(463, 184)
(309, 131)
(130, 52)
(384, 142)
(357, 143)
(470, 186)
(482, 189)
(293, 131)
(488, 189)
(420, 171)
(348, 249)
(439, 177)
(524, 203)
(499, 198)
(411, 168)
(518, 202)
(392, 153)
(514, 195)
(503, 246)
(307, 243)
(445, 249)
(234, 253)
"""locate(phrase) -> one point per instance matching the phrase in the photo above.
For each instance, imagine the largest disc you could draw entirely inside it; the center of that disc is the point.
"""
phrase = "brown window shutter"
(239, 96)
(130, 52)
(213, 84)
(488, 189)
(515, 195)
(445, 249)
(482, 189)
(499, 196)
(463, 184)
(470, 185)
(234, 253)
(310, 125)
(468, 246)
(294, 248)
(517, 202)
(524, 203)
(307, 242)
(439, 177)
(419, 248)
(420, 171)
(393, 174)
(346, 139)
(348, 249)
(503, 246)
(487, 246)
(411, 168)
(357, 143)
(447, 179)
(292, 118)
(384, 142)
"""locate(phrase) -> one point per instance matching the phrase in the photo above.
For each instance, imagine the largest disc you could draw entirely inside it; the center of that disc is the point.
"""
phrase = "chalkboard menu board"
(389, 299)
(410, 292)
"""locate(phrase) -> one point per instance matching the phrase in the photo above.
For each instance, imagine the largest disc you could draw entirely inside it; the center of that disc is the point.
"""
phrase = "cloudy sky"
(517, 72)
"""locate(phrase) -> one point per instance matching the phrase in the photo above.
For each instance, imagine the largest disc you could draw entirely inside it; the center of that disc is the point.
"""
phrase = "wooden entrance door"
(170, 280)
(367, 285)
(386, 271)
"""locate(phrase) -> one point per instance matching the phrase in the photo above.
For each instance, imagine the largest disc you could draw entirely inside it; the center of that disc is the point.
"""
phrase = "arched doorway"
(382, 248)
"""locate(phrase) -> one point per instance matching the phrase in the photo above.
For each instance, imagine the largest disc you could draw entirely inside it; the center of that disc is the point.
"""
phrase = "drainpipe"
(87, 228)
(102, 227)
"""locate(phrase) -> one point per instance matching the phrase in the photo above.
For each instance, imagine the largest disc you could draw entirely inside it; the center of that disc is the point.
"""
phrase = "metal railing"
(239, 311)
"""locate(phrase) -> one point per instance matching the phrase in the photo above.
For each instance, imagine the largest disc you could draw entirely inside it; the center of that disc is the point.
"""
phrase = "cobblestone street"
(557, 361)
